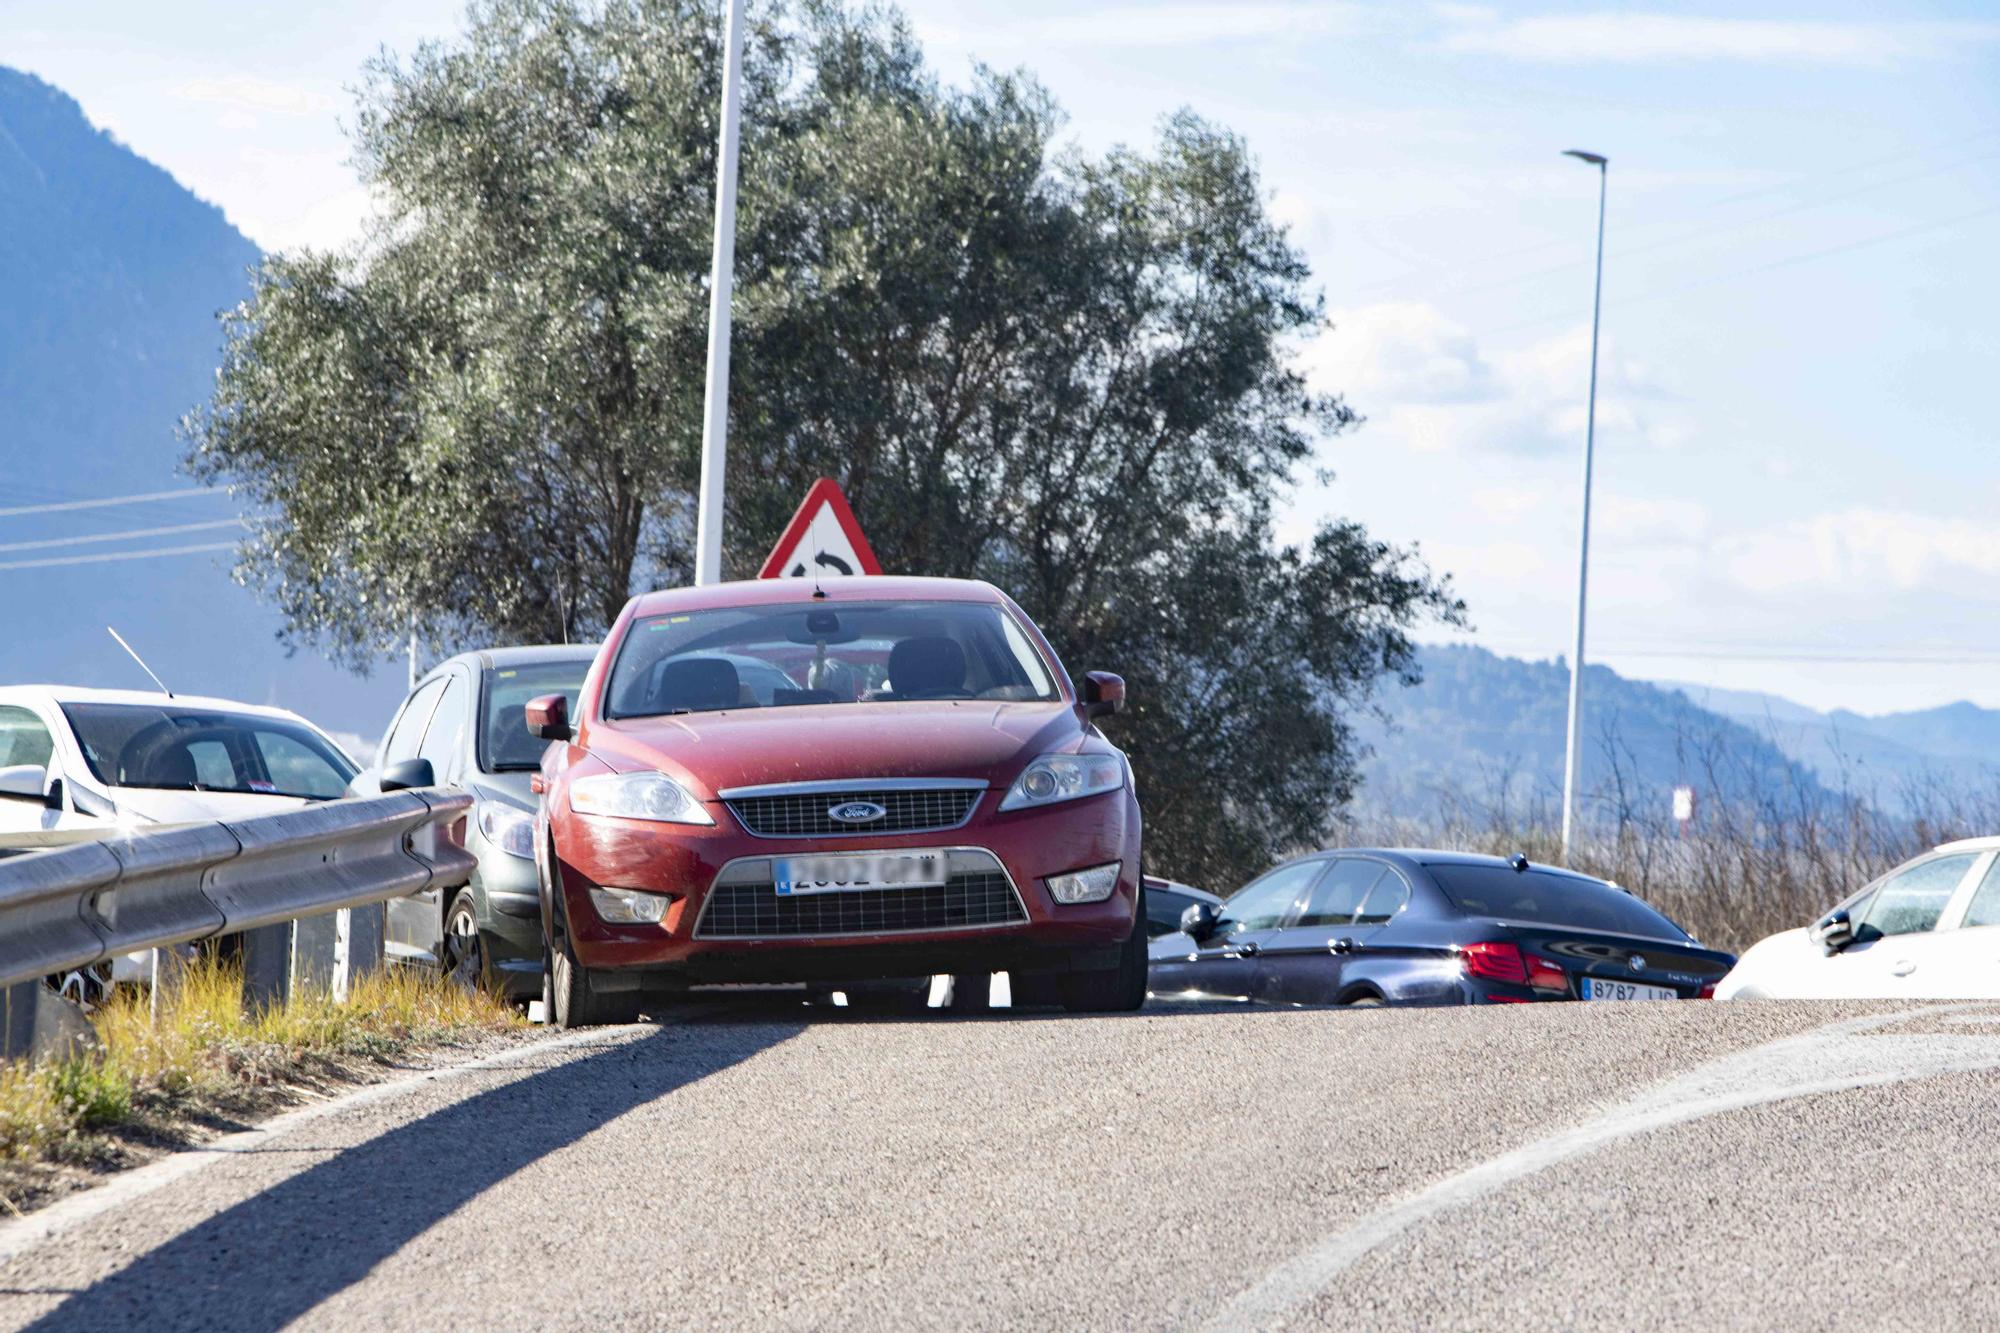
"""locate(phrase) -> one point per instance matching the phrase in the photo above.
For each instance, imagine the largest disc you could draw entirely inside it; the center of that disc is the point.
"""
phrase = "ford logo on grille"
(855, 812)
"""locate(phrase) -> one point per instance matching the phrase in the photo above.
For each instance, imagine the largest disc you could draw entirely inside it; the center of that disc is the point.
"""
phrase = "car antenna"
(140, 660)
(1518, 861)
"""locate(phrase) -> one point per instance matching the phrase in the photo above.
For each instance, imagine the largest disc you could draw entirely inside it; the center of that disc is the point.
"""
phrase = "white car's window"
(1984, 909)
(172, 747)
(23, 738)
(1912, 900)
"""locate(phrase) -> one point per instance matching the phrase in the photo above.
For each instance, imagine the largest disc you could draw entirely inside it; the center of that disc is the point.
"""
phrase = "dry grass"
(206, 1049)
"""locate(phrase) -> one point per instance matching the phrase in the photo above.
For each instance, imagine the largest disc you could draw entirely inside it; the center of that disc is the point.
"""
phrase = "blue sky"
(1797, 466)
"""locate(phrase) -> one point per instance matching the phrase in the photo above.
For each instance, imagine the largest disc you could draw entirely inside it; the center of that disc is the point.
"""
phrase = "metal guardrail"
(74, 906)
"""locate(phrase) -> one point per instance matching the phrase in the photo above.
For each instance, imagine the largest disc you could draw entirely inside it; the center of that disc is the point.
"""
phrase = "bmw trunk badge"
(1637, 962)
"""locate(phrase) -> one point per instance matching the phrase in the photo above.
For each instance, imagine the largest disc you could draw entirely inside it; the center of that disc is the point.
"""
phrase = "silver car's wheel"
(464, 960)
(85, 987)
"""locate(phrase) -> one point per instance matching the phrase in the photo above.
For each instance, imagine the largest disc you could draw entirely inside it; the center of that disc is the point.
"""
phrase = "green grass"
(206, 1046)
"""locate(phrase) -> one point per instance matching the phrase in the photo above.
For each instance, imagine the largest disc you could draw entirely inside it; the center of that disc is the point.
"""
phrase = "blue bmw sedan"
(1402, 926)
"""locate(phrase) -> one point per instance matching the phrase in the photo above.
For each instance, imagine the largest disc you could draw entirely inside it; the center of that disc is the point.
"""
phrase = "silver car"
(463, 727)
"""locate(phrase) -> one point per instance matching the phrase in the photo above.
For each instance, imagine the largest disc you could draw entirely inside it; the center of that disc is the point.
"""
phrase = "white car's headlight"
(653, 796)
(1064, 777)
(511, 830)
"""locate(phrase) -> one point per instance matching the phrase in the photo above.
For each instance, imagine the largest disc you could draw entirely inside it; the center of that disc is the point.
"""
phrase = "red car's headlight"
(653, 796)
(1065, 777)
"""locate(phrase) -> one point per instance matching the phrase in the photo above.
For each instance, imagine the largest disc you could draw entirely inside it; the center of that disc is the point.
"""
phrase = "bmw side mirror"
(407, 773)
(1103, 693)
(548, 717)
(1834, 931)
(1198, 922)
(26, 782)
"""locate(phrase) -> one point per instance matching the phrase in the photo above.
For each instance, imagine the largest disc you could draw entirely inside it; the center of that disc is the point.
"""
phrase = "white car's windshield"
(171, 748)
(816, 653)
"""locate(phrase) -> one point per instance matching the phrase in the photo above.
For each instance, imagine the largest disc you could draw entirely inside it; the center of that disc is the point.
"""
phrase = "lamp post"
(721, 281)
(1573, 750)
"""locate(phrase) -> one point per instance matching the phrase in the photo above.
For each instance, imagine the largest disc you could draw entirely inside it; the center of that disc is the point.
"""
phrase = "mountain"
(1483, 732)
(1886, 757)
(111, 276)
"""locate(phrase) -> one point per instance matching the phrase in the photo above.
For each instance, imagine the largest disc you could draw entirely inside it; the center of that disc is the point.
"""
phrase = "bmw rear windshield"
(1550, 898)
(825, 653)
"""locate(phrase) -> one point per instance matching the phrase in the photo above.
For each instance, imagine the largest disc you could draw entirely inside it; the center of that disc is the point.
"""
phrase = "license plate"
(854, 872)
(1595, 988)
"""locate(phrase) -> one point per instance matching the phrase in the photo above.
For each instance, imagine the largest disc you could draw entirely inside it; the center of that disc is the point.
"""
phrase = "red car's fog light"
(630, 907)
(1085, 886)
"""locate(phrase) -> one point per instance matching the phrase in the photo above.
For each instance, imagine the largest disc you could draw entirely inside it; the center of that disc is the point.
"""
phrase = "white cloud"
(1423, 378)
(1654, 38)
(1405, 352)
(1861, 551)
(1169, 25)
(247, 93)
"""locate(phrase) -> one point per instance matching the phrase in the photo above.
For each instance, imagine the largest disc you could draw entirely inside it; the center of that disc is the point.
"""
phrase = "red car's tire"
(1111, 990)
(575, 1002)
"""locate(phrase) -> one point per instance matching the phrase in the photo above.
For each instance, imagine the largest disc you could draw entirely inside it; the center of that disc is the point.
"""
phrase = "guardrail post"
(267, 964)
(38, 1024)
(367, 934)
(316, 961)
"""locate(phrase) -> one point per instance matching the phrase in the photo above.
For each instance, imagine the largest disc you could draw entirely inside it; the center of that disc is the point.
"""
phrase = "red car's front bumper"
(685, 861)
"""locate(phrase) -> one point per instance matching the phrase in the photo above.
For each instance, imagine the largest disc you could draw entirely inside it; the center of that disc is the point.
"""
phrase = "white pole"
(1573, 753)
(721, 280)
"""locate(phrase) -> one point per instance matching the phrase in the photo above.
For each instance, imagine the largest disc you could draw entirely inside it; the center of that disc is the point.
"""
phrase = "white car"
(78, 764)
(1929, 929)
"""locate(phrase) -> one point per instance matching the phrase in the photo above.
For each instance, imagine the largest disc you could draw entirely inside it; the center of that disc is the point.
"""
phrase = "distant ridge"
(111, 277)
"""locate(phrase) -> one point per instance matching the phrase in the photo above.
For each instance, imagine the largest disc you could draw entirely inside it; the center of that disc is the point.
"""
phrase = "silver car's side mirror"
(1833, 932)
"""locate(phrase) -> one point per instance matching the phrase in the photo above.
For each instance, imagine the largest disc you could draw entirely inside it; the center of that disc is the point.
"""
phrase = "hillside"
(1882, 757)
(111, 276)
(1484, 732)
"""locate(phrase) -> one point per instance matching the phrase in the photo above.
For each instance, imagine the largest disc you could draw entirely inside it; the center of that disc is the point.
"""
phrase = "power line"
(1786, 262)
(126, 535)
(1903, 155)
(63, 506)
(116, 555)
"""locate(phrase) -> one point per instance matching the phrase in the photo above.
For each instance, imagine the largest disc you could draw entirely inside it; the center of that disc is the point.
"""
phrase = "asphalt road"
(1608, 1166)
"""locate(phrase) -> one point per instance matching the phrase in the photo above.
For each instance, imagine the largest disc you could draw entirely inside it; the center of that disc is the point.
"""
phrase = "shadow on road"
(275, 1256)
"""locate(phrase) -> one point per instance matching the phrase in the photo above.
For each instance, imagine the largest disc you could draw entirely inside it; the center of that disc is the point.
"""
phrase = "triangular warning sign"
(822, 539)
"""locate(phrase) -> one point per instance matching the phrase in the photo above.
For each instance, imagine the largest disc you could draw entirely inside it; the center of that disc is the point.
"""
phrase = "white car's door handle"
(1904, 968)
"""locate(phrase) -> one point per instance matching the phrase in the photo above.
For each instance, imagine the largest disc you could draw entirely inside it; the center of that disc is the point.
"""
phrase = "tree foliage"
(1073, 375)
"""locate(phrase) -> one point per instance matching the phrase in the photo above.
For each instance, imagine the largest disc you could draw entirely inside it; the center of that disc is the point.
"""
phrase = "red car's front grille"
(807, 815)
(747, 911)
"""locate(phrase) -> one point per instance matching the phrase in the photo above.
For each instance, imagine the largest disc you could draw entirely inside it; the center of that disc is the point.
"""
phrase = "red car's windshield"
(820, 653)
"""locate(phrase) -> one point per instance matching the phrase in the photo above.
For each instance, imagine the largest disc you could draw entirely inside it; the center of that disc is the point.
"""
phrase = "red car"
(872, 778)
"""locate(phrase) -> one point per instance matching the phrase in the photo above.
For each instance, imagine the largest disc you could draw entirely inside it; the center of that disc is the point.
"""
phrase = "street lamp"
(1573, 751)
(721, 282)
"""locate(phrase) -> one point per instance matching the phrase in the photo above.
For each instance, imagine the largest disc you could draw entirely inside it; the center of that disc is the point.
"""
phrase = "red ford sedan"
(876, 777)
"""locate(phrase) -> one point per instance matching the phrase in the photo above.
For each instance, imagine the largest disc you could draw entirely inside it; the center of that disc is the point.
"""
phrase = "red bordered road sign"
(822, 539)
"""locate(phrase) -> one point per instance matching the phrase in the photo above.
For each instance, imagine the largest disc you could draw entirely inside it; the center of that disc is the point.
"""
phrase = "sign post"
(822, 540)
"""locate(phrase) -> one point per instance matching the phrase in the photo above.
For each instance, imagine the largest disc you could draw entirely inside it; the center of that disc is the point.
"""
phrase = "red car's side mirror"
(1103, 693)
(548, 717)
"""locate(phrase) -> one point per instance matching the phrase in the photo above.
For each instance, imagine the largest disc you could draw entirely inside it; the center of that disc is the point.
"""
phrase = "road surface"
(1614, 1166)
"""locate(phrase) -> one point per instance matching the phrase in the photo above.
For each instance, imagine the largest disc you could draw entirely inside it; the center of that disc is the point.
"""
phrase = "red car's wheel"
(1111, 990)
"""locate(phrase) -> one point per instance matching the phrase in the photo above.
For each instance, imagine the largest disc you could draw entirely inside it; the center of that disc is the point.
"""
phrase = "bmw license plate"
(853, 872)
(1596, 988)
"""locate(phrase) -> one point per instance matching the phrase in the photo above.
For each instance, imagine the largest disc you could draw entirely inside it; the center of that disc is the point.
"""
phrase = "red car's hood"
(752, 746)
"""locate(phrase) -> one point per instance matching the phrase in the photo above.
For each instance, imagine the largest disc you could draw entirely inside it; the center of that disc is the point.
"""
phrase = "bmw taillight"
(1546, 974)
(1496, 960)
(1707, 992)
